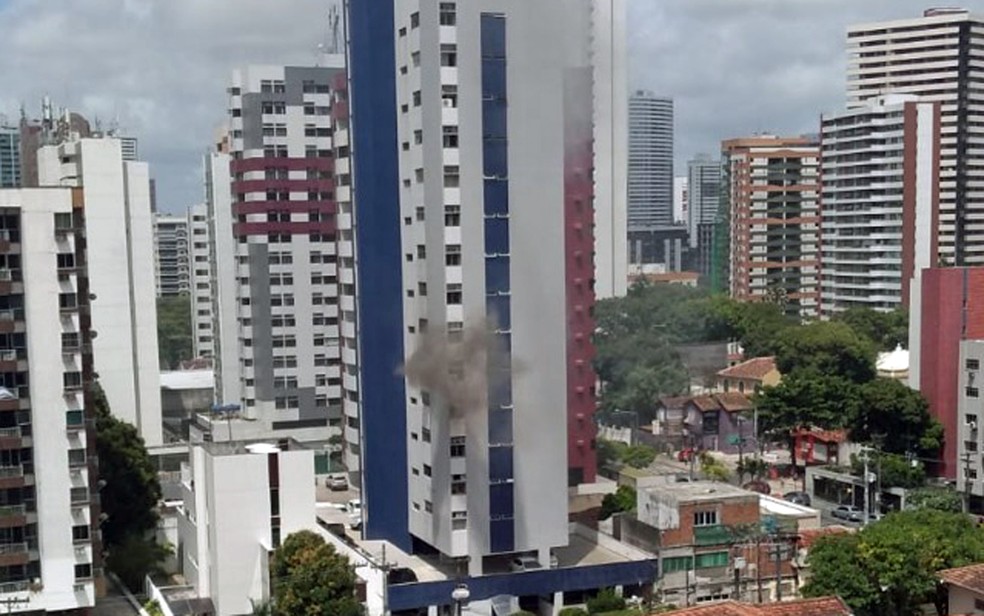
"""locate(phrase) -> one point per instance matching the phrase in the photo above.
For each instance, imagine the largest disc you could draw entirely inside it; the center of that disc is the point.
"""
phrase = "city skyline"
(171, 107)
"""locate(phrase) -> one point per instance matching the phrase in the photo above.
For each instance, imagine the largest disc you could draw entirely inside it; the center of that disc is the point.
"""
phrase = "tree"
(713, 468)
(885, 330)
(310, 577)
(755, 325)
(624, 499)
(131, 489)
(836, 568)
(940, 499)
(573, 611)
(174, 331)
(605, 601)
(136, 558)
(827, 348)
(891, 565)
(897, 417)
(638, 456)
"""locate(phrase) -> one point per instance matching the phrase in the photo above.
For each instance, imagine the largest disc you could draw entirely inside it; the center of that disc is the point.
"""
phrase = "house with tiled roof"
(748, 376)
(821, 606)
(715, 422)
(965, 589)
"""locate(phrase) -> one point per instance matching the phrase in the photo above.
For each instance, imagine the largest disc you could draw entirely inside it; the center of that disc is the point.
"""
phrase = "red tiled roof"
(731, 402)
(808, 537)
(755, 368)
(970, 577)
(705, 403)
(826, 436)
(823, 606)
(673, 402)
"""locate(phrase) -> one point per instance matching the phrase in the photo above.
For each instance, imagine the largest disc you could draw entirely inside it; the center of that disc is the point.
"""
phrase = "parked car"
(799, 498)
(525, 563)
(336, 482)
(761, 487)
(849, 513)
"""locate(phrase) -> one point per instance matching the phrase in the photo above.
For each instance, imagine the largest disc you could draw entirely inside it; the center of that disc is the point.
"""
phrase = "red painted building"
(946, 306)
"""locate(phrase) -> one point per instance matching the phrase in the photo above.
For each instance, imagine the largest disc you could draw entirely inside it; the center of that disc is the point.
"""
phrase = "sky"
(158, 68)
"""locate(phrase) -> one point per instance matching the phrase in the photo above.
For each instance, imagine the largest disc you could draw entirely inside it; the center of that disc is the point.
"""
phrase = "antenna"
(334, 35)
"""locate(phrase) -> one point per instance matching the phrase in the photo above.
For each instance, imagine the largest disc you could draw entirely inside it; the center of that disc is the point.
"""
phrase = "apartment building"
(770, 190)
(452, 457)
(938, 57)
(946, 307)
(880, 201)
(119, 233)
(172, 270)
(10, 159)
(268, 490)
(703, 205)
(970, 468)
(271, 207)
(200, 280)
(50, 555)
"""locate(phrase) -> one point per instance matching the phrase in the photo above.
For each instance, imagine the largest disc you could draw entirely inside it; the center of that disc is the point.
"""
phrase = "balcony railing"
(14, 432)
(8, 355)
(712, 535)
(11, 510)
(12, 471)
(11, 587)
(13, 548)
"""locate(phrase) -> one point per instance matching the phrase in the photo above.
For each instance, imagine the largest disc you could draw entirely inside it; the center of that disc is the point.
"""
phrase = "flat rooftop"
(239, 448)
(698, 491)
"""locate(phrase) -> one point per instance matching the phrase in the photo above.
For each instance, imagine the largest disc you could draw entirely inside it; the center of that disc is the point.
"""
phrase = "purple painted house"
(715, 421)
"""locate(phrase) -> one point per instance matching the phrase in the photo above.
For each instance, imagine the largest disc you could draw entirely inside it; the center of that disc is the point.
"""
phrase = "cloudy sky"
(159, 67)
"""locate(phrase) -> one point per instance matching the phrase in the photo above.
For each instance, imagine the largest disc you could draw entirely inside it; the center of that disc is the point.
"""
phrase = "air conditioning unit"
(79, 587)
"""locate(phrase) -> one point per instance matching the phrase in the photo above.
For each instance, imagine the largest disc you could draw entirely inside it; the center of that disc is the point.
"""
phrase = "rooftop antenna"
(334, 33)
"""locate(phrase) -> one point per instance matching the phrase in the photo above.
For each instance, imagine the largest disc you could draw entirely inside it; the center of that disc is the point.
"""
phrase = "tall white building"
(703, 205)
(272, 234)
(650, 161)
(483, 299)
(879, 201)
(940, 57)
(171, 267)
(200, 281)
(240, 500)
(611, 146)
(49, 556)
(120, 236)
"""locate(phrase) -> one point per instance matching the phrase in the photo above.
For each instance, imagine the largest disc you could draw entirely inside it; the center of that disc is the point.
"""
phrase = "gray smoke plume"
(462, 371)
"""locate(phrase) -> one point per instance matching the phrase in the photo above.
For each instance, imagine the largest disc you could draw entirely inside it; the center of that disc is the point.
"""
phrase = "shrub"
(573, 611)
(605, 601)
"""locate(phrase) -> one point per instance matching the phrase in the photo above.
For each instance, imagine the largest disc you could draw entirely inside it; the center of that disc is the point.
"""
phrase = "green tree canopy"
(624, 499)
(897, 418)
(827, 348)
(756, 325)
(940, 499)
(174, 331)
(891, 565)
(310, 578)
(885, 330)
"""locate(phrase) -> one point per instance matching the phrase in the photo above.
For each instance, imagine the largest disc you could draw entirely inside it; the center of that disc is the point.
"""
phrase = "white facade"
(650, 164)
(611, 146)
(680, 204)
(234, 496)
(120, 239)
(54, 567)
(939, 57)
(970, 429)
(171, 264)
(867, 195)
(272, 223)
(200, 280)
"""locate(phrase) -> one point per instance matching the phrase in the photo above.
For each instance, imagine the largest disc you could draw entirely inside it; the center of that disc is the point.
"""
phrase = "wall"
(963, 601)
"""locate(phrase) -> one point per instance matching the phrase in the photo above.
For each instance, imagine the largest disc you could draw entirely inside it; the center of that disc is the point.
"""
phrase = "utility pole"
(865, 479)
(778, 556)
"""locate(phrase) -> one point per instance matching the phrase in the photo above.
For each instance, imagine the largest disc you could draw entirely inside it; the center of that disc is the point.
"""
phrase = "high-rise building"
(609, 24)
(946, 307)
(271, 211)
(703, 205)
(200, 273)
(879, 201)
(128, 147)
(680, 197)
(466, 317)
(120, 236)
(770, 190)
(48, 480)
(10, 160)
(171, 255)
(936, 56)
(650, 161)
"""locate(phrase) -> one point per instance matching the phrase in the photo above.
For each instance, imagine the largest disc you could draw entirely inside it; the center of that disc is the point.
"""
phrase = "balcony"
(12, 516)
(8, 360)
(11, 438)
(11, 476)
(12, 587)
(13, 554)
(712, 535)
(8, 320)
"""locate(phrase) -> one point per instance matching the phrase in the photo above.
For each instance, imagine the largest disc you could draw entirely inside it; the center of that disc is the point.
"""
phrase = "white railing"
(13, 548)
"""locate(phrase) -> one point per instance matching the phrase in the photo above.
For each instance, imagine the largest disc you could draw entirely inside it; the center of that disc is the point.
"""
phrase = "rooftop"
(755, 368)
(731, 402)
(970, 577)
(257, 446)
(822, 606)
(893, 361)
(696, 491)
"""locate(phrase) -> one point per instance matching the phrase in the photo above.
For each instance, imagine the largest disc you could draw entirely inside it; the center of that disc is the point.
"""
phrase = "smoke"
(461, 370)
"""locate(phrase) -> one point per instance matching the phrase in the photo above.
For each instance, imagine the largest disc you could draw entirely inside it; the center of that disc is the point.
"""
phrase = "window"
(677, 564)
(72, 379)
(67, 301)
(425, 435)
(418, 136)
(80, 532)
(76, 458)
(972, 392)
(419, 212)
(447, 15)
(457, 447)
(83, 572)
(428, 506)
(973, 364)
(459, 520)
(452, 215)
(449, 96)
(415, 58)
(451, 176)
(414, 20)
(449, 55)
(70, 341)
(456, 330)
(421, 251)
(427, 470)
(416, 98)
(454, 294)
(458, 484)
(705, 518)
(450, 138)
(63, 221)
(422, 289)
(452, 254)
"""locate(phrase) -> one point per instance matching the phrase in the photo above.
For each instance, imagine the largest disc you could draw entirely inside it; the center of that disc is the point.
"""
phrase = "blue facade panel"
(496, 197)
(529, 583)
(496, 237)
(372, 92)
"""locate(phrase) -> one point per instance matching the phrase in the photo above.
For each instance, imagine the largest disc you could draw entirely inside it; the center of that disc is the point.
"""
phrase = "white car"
(354, 509)
(336, 482)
